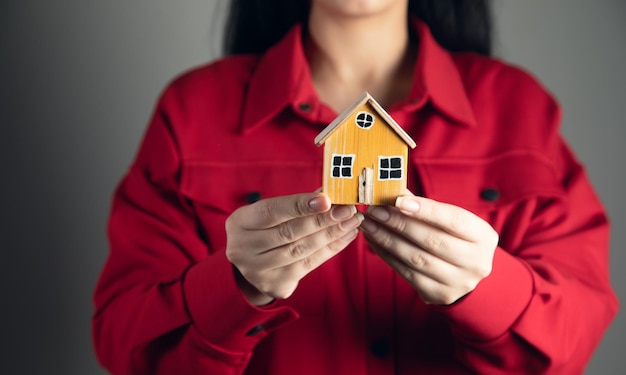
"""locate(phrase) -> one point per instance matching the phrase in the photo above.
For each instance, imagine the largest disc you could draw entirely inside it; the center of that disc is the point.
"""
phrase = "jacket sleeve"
(548, 301)
(165, 303)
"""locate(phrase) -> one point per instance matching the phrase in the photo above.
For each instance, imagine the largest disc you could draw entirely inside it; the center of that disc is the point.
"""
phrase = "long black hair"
(253, 26)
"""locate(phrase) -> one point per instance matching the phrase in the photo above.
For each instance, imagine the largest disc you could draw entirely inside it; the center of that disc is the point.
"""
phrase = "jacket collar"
(438, 79)
(282, 79)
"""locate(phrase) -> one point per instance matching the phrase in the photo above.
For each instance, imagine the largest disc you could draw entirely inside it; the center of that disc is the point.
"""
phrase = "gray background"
(79, 78)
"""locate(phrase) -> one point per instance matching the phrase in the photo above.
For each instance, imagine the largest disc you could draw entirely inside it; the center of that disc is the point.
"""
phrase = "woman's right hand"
(275, 242)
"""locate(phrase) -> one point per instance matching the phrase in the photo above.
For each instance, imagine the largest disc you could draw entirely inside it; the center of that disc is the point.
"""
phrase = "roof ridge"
(362, 99)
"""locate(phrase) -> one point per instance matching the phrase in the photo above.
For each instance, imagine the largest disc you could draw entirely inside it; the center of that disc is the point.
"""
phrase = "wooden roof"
(365, 97)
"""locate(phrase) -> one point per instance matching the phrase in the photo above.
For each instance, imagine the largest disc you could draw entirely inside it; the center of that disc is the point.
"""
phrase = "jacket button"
(256, 330)
(380, 348)
(490, 195)
(305, 107)
(253, 196)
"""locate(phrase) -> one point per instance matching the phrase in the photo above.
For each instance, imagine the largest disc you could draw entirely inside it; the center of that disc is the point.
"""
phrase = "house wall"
(367, 145)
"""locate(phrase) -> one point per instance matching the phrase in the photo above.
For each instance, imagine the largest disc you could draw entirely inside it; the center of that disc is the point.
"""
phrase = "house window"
(390, 167)
(342, 166)
(364, 120)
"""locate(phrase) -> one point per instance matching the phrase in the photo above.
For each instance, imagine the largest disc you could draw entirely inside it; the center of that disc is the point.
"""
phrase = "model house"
(365, 155)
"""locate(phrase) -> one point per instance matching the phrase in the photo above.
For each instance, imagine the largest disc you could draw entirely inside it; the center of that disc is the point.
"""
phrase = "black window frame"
(342, 165)
(366, 123)
(390, 168)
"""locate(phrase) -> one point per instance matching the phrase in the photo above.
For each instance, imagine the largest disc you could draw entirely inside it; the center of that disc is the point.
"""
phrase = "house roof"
(364, 98)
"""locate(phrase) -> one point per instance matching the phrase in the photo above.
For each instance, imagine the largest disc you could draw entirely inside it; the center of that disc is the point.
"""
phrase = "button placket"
(379, 286)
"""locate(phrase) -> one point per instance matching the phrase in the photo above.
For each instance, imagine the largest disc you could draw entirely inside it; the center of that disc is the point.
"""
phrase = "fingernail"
(369, 226)
(407, 204)
(379, 213)
(318, 203)
(352, 223)
(339, 213)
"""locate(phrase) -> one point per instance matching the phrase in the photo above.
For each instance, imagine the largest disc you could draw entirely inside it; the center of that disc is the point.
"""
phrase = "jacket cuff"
(496, 303)
(221, 313)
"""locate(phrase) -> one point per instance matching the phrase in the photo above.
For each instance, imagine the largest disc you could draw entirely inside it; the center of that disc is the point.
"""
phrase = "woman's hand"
(442, 250)
(275, 242)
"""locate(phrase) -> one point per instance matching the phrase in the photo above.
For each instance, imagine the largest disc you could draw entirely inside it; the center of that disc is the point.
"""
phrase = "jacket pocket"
(488, 184)
(226, 186)
(216, 189)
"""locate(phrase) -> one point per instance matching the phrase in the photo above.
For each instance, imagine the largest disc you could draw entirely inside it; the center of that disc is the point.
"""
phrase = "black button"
(252, 197)
(380, 348)
(305, 107)
(255, 330)
(490, 195)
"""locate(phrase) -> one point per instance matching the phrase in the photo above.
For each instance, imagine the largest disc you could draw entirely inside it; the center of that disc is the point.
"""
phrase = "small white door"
(366, 186)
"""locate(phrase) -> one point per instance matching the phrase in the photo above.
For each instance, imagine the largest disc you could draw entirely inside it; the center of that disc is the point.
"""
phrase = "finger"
(262, 240)
(406, 251)
(307, 264)
(280, 282)
(270, 212)
(430, 290)
(303, 248)
(450, 218)
(296, 229)
(418, 233)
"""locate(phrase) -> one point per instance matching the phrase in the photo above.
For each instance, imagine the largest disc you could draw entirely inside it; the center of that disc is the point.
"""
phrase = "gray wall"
(79, 78)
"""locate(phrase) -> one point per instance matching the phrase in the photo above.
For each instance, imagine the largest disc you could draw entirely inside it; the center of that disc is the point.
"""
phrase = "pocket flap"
(490, 182)
(227, 186)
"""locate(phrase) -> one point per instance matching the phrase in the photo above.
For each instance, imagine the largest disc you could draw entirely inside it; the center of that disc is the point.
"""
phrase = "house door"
(366, 186)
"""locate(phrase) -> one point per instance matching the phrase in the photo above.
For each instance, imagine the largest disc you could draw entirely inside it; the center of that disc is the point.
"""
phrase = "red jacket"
(488, 141)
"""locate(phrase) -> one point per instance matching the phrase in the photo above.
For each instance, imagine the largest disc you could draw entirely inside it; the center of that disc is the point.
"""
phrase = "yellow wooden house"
(365, 155)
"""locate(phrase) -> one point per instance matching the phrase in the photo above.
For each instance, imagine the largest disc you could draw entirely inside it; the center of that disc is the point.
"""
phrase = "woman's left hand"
(442, 250)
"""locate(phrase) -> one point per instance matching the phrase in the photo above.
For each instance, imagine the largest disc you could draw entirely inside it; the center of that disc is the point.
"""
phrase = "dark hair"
(253, 26)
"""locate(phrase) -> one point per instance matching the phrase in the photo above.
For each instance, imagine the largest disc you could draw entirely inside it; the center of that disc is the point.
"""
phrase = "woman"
(222, 263)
